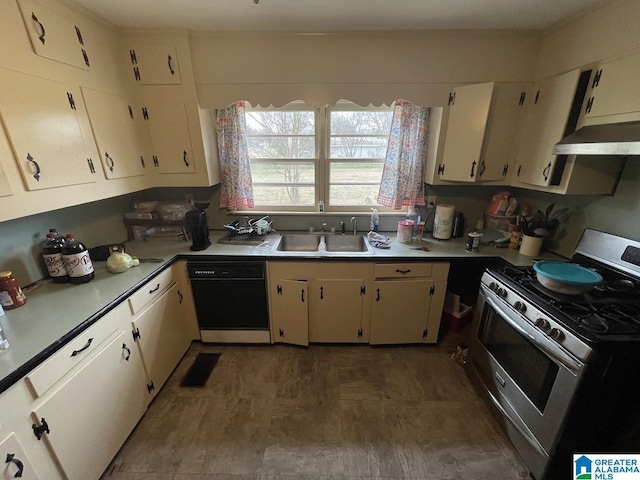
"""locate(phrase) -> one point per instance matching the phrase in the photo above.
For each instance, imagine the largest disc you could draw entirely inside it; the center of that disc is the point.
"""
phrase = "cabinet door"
(170, 137)
(290, 312)
(155, 65)
(114, 128)
(54, 36)
(615, 88)
(336, 314)
(162, 337)
(5, 188)
(90, 416)
(547, 115)
(43, 120)
(507, 113)
(462, 156)
(16, 462)
(400, 311)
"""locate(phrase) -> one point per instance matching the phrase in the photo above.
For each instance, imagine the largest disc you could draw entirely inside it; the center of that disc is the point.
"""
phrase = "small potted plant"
(538, 227)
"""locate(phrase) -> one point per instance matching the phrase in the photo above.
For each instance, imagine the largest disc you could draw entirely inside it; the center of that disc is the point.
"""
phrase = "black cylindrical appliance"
(198, 228)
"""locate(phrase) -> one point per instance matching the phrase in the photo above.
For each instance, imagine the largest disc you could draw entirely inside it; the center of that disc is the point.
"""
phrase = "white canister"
(443, 222)
(405, 231)
(531, 246)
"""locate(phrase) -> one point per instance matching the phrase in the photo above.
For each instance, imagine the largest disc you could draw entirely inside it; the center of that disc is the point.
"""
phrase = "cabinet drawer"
(151, 290)
(403, 270)
(72, 354)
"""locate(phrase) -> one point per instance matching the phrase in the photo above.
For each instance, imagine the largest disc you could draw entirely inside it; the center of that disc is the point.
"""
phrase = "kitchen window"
(301, 155)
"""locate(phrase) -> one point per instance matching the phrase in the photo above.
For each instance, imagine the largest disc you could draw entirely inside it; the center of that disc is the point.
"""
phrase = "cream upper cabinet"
(53, 35)
(5, 188)
(480, 135)
(614, 92)
(505, 118)
(168, 126)
(113, 120)
(48, 130)
(155, 65)
(469, 112)
(545, 123)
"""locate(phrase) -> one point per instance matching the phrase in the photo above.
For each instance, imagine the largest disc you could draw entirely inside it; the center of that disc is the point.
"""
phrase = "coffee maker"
(197, 226)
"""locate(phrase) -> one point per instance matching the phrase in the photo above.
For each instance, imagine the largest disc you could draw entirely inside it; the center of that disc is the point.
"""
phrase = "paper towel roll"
(443, 221)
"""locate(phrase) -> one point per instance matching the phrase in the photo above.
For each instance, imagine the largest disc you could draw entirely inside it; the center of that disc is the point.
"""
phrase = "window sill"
(256, 213)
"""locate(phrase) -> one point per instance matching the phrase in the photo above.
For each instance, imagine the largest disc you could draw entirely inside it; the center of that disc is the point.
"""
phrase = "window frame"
(321, 160)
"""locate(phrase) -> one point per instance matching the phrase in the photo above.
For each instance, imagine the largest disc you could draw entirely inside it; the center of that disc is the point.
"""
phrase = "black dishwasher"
(231, 301)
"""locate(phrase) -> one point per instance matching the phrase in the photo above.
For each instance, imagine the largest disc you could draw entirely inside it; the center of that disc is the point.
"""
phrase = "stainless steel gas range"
(562, 372)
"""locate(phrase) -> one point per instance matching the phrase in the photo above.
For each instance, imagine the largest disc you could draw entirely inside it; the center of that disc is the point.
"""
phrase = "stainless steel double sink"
(332, 244)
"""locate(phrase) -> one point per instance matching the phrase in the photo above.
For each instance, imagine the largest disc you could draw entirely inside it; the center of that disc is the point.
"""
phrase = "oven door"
(529, 378)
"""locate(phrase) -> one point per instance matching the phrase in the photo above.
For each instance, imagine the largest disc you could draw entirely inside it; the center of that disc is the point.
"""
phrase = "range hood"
(606, 139)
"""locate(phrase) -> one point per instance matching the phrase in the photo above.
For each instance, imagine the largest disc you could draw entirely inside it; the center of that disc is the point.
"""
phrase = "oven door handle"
(553, 351)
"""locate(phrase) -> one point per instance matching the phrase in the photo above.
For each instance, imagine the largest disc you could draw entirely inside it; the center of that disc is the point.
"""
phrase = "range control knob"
(502, 293)
(542, 324)
(556, 334)
(493, 286)
(520, 306)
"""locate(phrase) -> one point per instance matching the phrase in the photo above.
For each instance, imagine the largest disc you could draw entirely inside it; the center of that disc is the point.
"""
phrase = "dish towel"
(379, 241)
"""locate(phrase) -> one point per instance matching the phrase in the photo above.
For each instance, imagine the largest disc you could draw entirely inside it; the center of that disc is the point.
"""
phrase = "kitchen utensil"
(566, 278)
(150, 260)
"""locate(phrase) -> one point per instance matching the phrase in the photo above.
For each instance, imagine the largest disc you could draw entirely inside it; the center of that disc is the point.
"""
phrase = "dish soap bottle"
(375, 220)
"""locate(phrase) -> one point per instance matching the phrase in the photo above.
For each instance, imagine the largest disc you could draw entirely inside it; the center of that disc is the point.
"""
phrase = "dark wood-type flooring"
(322, 413)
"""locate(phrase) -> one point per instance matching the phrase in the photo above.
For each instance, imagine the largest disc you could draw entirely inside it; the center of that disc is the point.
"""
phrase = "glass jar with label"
(11, 295)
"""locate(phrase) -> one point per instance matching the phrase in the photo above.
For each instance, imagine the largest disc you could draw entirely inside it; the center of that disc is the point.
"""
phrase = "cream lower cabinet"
(407, 301)
(161, 335)
(289, 311)
(319, 302)
(16, 462)
(86, 419)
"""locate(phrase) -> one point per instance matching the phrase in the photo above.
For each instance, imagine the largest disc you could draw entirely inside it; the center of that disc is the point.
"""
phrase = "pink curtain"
(236, 189)
(403, 174)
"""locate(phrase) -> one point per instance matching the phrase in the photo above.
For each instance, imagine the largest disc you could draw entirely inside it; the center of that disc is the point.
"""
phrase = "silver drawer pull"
(499, 379)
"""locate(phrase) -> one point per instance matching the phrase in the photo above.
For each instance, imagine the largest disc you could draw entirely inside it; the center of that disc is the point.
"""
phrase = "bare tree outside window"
(287, 165)
(358, 144)
(282, 152)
